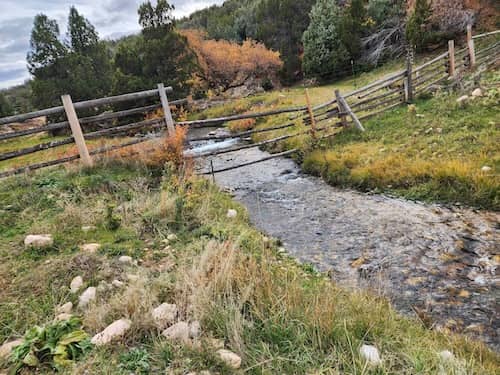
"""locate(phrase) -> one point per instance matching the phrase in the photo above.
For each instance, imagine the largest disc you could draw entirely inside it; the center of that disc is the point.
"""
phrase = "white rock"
(477, 93)
(65, 309)
(125, 259)
(231, 359)
(90, 247)
(6, 348)
(177, 332)
(111, 332)
(231, 214)
(446, 356)
(463, 100)
(117, 283)
(370, 354)
(195, 329)
(38, 240)
(87, 296)
(63, 316)
(88, 228)
(164, 315)
(486, 169)
(172, 237)
(76, 284)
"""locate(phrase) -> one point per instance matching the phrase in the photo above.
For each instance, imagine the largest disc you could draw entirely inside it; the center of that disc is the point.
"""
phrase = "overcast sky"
(112, 18)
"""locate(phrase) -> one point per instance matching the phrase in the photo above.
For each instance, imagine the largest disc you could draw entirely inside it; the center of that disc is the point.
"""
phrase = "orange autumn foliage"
(226, 64)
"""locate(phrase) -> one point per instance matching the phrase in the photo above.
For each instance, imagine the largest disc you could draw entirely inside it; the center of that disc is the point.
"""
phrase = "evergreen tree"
(159, 54)
(325, 54)
(352, 27)
(417, 30)
(5, 107)
(81, 32)
(46, 48)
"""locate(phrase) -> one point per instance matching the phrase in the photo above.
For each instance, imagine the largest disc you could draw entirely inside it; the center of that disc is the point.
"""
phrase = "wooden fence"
(349, 109)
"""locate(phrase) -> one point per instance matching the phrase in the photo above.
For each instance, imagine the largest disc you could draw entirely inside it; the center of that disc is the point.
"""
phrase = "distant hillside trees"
(227, 64)
(159, 54)
(80, 65)
(5, 107)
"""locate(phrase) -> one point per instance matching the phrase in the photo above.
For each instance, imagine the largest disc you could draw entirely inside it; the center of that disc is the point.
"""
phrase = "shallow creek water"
(441, 264)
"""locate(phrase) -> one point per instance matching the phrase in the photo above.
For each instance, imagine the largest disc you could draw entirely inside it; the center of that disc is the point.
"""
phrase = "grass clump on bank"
(441, 153)
(278, 316)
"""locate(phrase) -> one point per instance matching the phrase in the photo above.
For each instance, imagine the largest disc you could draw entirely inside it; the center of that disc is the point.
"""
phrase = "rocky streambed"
(441, 264)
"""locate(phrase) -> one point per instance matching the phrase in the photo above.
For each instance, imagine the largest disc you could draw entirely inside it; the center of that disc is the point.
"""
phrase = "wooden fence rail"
(360, 104)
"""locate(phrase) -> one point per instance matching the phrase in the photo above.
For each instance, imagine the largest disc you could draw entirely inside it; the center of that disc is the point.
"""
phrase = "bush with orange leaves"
(242, 125)
(225, 64)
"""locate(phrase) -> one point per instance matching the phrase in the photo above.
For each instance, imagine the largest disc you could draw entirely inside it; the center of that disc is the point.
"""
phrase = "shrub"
(225, 64)
(242, 125)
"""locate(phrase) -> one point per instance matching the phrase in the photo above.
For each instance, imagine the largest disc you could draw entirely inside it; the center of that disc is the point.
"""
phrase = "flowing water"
(440, 264)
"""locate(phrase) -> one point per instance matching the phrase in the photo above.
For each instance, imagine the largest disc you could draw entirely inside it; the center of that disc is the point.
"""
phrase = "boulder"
(486, 169)
(164, 315)
(114, 330)
(229, 358)
(90, 248)
(477, 93)
(177, 332)
(370, 354)
(40, 241)
(65, 309)
(7, 348)
(231, 214)
(76, 284)
(87, 296)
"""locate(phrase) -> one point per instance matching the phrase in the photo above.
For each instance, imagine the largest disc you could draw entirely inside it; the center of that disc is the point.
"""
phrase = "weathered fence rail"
(350, 109)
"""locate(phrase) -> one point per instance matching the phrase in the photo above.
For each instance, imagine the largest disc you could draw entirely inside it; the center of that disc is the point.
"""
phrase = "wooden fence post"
(76, 129)
(470, 46)
(408, 82)
(311, 114)
(166, 110)
(451, 54)
(345, 108)
(342, 110)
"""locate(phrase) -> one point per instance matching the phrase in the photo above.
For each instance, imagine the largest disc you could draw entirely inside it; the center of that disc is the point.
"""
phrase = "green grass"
(279, 316)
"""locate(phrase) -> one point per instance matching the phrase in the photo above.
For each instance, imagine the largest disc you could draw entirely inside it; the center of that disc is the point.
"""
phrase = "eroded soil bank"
(436, 262)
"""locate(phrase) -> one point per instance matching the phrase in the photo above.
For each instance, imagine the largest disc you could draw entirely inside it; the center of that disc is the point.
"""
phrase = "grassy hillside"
(278, 316)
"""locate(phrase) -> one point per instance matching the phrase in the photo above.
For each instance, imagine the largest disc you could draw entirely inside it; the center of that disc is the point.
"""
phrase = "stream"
(440, 264)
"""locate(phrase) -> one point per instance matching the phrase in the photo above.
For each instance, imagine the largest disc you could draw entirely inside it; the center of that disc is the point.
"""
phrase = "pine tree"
(81, 32)
(417, 32)
(325, 54)
(46, 48)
